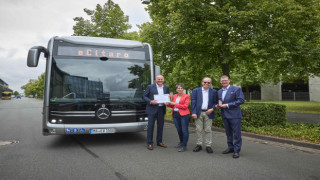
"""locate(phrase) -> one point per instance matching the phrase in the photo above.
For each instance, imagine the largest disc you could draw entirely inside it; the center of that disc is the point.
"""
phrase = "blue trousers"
(182, 124)
(233, 132)
(159, 116)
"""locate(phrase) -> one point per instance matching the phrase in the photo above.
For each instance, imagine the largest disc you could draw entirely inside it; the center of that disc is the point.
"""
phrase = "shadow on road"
(64, 141)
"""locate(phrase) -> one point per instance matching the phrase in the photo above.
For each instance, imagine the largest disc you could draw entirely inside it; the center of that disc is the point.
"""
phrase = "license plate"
(102, 131)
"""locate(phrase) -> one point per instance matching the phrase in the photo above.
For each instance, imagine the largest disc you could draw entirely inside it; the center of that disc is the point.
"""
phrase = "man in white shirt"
(155, 111)
(203, 101)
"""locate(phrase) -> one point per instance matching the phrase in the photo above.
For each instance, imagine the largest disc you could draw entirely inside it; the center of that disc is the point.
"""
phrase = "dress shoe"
(227, 151)
(162, 145)
(197, 148)
(182, 149)
(150, 147)
(209, 149)
(236, 155)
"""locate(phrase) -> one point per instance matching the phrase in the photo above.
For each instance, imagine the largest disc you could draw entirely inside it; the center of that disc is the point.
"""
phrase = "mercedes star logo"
(103, 112)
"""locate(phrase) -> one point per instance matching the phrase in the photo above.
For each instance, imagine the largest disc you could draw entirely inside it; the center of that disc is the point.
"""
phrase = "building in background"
(284, 91)
(4, 87)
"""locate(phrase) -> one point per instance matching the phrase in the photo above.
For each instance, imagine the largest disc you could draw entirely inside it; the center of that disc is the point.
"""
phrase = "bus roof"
(84, 40)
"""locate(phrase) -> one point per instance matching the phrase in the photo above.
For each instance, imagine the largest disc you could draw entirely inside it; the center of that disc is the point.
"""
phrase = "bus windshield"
(6, 94)
(92, 79)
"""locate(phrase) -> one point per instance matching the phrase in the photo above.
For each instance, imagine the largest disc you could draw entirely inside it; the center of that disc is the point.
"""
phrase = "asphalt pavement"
(310, 118)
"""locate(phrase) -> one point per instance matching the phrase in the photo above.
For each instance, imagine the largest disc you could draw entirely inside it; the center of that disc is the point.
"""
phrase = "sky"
(28, 23)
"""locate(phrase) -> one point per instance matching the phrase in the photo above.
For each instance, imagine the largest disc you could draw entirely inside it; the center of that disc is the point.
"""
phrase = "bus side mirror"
(33, 55)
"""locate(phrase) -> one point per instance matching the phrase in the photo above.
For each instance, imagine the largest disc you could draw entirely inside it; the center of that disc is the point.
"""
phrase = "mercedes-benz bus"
(94, 85)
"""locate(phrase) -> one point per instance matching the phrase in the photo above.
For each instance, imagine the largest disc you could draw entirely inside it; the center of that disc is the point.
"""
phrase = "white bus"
(94, 85)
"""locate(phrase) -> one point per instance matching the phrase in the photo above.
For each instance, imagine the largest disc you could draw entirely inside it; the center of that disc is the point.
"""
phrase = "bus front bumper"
(72, 129)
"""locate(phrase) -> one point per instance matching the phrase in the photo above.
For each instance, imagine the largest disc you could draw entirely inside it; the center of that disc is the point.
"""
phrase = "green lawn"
(297, 106)
(297, 131)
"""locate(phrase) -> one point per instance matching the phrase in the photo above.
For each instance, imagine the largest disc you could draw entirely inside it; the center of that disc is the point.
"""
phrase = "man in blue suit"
(155, 110)
(203, 101)
(232, 97)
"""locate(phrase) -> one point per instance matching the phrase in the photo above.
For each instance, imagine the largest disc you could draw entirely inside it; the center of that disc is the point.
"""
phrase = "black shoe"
(236, 155)
(197, 148)
(227, 151)
(209, 149)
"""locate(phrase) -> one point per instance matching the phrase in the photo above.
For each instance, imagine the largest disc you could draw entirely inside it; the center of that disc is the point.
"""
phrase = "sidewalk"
(303, 117)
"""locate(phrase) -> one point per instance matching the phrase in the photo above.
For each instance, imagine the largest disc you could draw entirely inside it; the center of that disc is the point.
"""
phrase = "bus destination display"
(100, 52)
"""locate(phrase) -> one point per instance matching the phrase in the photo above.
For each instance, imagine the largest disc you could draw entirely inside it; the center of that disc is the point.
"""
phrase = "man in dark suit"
(155, 110)
(203, 101)
(232, 97)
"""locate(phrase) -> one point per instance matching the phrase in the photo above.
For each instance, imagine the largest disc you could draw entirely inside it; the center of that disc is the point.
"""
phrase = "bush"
(263, 114)
(217, 121)
(258, 115)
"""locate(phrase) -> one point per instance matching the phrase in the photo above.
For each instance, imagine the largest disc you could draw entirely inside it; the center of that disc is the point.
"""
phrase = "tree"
(252, 41)
(15, 93)
(106, 21)
(34, 87)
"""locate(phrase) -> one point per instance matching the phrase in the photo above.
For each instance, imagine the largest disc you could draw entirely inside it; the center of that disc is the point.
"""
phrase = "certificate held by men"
(162, 98)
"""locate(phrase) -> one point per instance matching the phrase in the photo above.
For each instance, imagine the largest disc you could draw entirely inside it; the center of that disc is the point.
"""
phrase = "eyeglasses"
(207, 82)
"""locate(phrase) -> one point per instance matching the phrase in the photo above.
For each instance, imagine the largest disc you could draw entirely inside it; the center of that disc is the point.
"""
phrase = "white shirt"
(205, 99)
(160, 91)
(177, 102)
(224, 92)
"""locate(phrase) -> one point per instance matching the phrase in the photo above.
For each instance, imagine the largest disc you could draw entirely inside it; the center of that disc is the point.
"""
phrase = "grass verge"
(296, 131)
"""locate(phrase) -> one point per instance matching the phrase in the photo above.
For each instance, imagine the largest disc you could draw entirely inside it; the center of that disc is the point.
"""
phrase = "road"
(125, 156)
(303, 117)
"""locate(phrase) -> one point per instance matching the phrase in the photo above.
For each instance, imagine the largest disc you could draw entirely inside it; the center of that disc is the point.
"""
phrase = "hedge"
(258, 115)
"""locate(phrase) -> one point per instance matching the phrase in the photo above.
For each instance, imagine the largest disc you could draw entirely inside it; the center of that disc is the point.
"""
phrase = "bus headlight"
(145, 118)
(141, 119)
(60, 121)
(53, 121)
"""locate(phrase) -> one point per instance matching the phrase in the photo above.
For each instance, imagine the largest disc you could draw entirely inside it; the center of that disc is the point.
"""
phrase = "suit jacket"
(196, 101)
(183, 104)
(234, 98)
(148, 96)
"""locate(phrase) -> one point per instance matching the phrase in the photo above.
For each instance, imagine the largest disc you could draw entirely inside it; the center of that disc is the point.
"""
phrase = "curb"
(268, 138)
